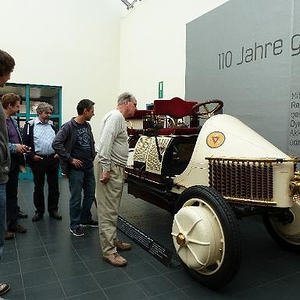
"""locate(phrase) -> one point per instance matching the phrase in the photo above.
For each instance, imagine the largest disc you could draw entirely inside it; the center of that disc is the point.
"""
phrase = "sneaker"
(17, 228)
(9, 235)
(77, 231)
(4, 288)
(122, 246)
(115, 259)
(90, 223)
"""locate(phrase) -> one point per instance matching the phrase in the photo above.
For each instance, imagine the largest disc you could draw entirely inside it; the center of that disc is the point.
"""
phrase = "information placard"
(161, 253)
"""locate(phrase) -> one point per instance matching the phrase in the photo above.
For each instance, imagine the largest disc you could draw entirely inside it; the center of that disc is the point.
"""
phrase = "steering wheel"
(170, 122)
(208, 112)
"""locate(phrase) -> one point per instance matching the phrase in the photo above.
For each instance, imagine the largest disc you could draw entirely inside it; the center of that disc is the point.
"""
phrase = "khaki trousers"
(108, 203)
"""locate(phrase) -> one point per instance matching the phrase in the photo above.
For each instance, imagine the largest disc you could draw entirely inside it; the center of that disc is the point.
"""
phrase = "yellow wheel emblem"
(215, 139)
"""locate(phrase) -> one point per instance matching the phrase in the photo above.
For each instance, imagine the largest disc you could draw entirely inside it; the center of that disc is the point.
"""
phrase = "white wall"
(153, 46)
(71, 43)
(77, 44)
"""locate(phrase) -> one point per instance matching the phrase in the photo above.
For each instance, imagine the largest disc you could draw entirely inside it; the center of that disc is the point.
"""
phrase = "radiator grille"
(242, 179)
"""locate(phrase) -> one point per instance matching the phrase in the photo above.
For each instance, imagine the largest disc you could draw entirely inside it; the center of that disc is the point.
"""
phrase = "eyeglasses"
(134, 103)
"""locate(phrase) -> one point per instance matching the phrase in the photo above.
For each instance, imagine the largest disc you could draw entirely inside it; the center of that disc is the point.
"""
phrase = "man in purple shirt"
(11, 105)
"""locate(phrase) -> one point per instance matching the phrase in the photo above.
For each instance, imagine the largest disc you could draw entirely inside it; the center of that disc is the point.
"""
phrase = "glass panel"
(21, 122)
(44, 94)
(16, 89)
(55, 122)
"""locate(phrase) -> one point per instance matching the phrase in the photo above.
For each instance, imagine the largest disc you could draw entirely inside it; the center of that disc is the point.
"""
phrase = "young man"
(111, 161)
(74, 144)
(11, 105)
(7, 64)
(39, 134)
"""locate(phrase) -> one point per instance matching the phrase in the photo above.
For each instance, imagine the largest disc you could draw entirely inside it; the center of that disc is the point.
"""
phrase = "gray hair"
(43, 106)
(125, 96)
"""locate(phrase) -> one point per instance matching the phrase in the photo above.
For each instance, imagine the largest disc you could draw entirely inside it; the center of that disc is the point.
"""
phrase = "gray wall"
(241, 53)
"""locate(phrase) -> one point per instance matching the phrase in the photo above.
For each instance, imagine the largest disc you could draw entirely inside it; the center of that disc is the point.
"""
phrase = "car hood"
(226, 136)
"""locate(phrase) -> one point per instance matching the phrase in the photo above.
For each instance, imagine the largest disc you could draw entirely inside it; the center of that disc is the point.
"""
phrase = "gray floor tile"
(29, 243)
(9, 268)
(88, 253)
(15, 294)
(56, 248)
(140, 270)
(39, 277)
(174, 295)
(64, 258)
(98, 265)
(180, 278)
(111, 278)
(51, 291)
(32, 253)
(35, 264)
(79, 285)
(153, 286)
(99, 295)
(200, 292)
(9, 256)
(70, 270)
(126, 291)
(9, 245)
(83, 243)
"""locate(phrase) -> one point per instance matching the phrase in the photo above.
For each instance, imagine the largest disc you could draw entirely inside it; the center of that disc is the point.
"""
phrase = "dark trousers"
(12, 193)
(41, 168)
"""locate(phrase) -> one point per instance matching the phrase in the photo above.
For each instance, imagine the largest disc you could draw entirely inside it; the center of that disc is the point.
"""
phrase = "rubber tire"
(230, 226)
(277, 238)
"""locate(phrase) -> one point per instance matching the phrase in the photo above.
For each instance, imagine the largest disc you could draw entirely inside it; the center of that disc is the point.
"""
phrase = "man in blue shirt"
(38, 134)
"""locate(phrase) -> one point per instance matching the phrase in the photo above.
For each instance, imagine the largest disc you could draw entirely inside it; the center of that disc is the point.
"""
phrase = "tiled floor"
(49, 263)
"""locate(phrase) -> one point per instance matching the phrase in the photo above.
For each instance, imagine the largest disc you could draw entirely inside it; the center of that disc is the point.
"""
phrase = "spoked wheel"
(206, 236)
(285, 228)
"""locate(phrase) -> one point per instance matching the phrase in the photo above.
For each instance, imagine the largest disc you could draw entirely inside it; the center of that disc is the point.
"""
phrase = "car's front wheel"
(285, 227)
(206, 236)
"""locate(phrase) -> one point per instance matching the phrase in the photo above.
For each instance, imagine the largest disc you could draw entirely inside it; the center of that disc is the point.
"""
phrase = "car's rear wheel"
(206, 236)
(285, 228)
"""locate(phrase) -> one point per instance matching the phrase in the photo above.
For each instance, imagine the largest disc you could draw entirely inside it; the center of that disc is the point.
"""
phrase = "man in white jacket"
(110, 167)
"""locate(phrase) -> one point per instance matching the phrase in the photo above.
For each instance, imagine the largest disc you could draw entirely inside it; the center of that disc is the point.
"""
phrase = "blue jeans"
(2, 216)
(81, 180)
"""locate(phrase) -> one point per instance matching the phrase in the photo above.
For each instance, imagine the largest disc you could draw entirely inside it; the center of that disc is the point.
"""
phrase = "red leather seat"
(175, 108)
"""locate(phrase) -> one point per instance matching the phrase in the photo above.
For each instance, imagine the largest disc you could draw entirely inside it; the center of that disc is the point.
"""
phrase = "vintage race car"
(209, 177)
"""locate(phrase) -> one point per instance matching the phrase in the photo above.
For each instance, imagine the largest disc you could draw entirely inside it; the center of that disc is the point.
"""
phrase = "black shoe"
(4, 288)
(37, 217)
(77, 232)
(17, 229)
(90, 223)
(22, 215)
(55, 215)
(8, 235)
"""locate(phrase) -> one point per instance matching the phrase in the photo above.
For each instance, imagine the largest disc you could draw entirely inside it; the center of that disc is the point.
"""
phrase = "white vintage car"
(208, 177)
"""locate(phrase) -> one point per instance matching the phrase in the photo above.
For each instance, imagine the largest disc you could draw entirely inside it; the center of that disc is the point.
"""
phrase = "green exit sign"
(160, 89)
